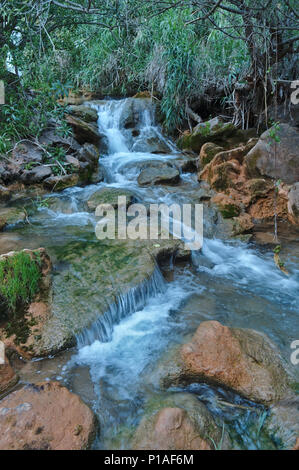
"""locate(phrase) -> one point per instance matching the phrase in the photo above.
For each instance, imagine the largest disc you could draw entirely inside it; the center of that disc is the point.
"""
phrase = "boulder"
(109, 196)
(179, 422)
(89, 153)
(84, 131)
(45, 416)
(261, 159)
(51, 138)
(34, 331)
(132, 112)
(164, 174)
(215, 131)
(8, 378)
(97, 272)
(293, 203)
(151, 145)
(10, 215)
(86, 113)
(242, 360)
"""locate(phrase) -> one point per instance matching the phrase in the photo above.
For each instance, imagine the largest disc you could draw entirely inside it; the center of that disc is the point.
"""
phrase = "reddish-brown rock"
(242, 360)
(8, 378)
(45, 416)
(178, 421)
(169, 429)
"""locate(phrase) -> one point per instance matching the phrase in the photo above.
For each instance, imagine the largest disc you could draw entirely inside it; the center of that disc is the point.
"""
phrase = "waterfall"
(125, 305)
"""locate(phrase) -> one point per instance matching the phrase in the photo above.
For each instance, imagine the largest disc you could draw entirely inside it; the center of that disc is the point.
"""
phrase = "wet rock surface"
(276, 159)
(179, 422)
(45, 416)
(162, 174)
(242, 360)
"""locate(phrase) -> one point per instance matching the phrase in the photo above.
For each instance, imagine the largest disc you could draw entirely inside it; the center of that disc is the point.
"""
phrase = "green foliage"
(19, 279)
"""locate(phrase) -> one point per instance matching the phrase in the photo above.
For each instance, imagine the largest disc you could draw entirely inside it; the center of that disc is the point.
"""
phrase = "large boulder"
(261, 160)
(28, 326)
(45, 416)
(162, 174)
(215, 131)
(84, 131)
(86, 113)
(179, 422)
(293, 203)
(244, 361)
(8, 378)
(109, 196)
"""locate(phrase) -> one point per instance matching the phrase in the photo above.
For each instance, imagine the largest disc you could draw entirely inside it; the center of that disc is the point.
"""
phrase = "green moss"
(229, 210)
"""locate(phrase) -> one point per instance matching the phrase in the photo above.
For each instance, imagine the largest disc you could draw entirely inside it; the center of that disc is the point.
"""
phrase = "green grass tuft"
(19, 280)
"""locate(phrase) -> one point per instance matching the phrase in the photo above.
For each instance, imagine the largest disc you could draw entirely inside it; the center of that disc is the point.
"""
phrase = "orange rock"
(296, 446)
(264, 208)
(45, 416)
(169, 429)
(242, 360)
(228, 205)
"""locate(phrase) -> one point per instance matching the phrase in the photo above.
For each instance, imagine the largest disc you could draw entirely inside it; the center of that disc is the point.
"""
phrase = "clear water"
(231, 282)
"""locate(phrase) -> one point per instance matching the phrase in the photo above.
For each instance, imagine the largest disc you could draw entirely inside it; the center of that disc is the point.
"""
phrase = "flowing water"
(113, 366)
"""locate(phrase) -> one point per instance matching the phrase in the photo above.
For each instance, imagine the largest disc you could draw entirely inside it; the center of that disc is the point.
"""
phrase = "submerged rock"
(178, 422)
(244, 361)
(283, 422)
(10, 215)
(45, 416)
(284, 165)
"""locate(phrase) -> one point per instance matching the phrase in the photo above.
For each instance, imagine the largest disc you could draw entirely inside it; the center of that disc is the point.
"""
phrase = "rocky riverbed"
(177, 349)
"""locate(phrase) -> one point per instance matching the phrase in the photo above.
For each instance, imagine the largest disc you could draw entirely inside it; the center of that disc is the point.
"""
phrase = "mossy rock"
(206, 132)
(11, 216)
(109, 196)
(86, 113)
(208, 152)
(229, 210)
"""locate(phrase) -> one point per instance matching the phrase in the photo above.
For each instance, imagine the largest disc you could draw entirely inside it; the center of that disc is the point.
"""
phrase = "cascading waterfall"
(125, 305)
(230, 281)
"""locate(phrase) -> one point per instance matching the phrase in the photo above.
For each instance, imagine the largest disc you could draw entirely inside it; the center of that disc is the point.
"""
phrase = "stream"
(235, 283)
